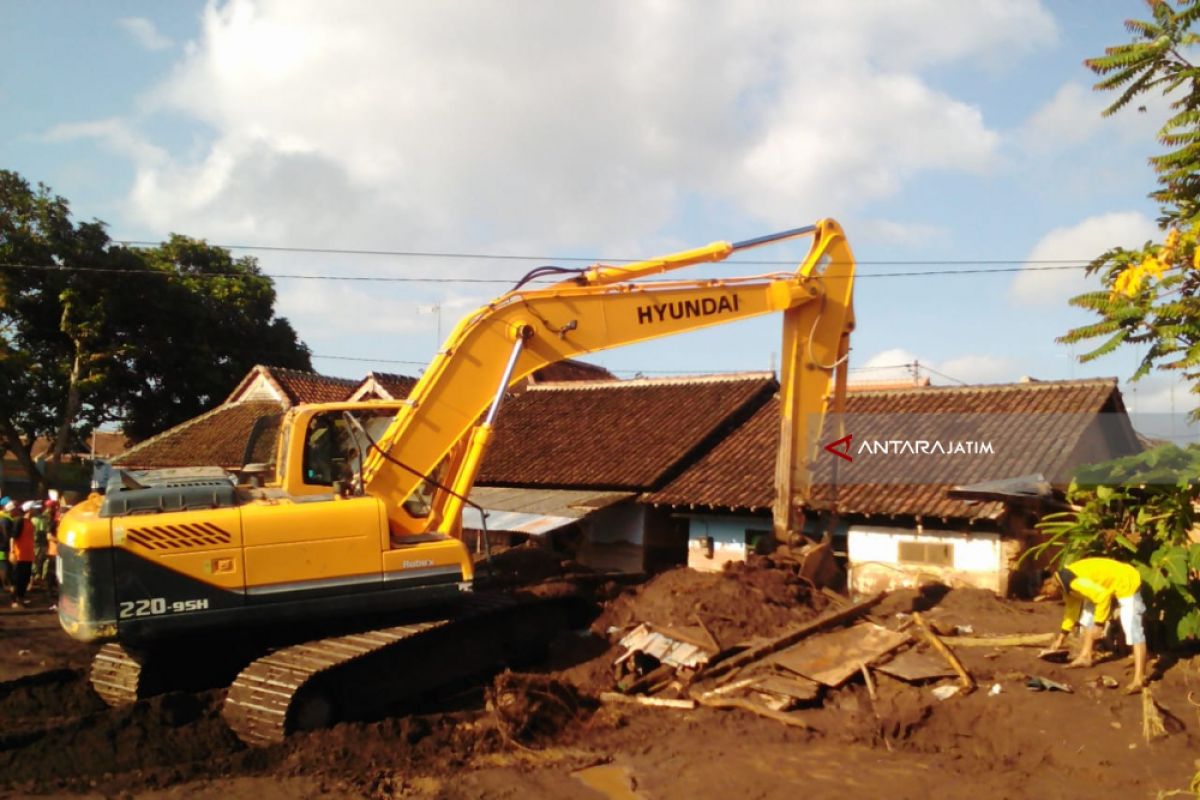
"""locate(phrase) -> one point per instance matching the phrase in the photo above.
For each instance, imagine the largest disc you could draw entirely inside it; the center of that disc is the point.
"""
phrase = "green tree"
(1150, 297)
(91, 332)
(212, 319)
(1141, 509)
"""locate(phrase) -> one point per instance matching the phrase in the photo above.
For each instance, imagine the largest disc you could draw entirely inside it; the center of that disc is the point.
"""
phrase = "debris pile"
(778, 671)
(531, 708)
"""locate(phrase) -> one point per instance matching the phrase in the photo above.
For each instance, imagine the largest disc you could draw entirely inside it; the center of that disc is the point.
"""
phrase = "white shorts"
(1129, 610)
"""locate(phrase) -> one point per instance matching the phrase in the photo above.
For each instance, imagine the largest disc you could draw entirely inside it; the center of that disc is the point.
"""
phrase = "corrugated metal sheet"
(535, 511)
(664, 648)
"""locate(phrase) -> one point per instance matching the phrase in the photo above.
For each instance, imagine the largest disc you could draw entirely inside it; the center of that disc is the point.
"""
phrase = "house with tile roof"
(383, 386)
(896, 522)
(219, 436)
(615, 440)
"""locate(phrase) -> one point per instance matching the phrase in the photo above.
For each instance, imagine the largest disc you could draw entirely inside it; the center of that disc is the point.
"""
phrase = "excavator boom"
(527, 329)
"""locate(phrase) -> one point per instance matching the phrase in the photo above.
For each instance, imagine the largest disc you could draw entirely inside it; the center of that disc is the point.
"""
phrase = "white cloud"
(115, 134)
(898, 365)
(978, 368)
(145, 32)
(1050, 286)
(904, 234)
(1068, 118)
(1075, 114)
(563, 125)
(895, 364)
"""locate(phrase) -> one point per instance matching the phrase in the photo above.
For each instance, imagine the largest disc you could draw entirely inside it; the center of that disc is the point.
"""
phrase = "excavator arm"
(526, 329)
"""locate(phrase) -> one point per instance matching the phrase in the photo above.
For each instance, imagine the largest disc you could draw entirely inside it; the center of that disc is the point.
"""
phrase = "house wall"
(978, 559)
(729, 540)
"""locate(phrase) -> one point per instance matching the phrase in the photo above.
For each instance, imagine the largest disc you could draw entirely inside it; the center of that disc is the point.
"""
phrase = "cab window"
(329, 454)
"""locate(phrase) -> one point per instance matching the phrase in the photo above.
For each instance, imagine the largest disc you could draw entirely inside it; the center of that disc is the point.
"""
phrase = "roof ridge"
(677, 380)
(309, 374)
(1011, 386)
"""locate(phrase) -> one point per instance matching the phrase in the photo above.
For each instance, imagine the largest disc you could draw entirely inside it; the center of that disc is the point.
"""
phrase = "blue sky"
(933, 131)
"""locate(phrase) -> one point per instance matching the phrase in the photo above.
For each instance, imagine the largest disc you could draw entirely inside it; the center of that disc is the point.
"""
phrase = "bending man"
(1090, 586)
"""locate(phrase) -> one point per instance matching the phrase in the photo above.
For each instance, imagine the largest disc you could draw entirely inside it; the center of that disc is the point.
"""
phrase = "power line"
(582, 259)
(371, 360)
(149, 273)
(928, 368)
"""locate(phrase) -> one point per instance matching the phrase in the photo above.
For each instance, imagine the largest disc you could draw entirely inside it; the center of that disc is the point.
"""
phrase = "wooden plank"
(915, 667)
(754, 708)
(964, 677)
(1011, 640)
(791, 637)
(833, 657)
(641, 700)
(797, 688)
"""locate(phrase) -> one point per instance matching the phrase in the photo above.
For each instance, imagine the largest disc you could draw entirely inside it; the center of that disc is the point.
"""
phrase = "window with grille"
(938, 554)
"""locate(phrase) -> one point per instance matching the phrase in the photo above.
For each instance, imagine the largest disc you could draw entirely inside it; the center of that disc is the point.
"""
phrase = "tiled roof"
(309, 387)
(295, 386)
(216, 438)
(384, 386)
(632, 435)
(739, 473)
(571, 370)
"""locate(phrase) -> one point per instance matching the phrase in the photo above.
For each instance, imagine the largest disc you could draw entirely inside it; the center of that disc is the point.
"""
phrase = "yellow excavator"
(332, 582)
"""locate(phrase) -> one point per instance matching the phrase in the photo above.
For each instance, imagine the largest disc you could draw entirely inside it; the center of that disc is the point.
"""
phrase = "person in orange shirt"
(1091, 588)
(21, 554)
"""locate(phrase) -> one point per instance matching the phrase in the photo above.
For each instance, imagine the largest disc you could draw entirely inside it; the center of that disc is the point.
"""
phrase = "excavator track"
(117, 675)
(123, 675)
(365, 675)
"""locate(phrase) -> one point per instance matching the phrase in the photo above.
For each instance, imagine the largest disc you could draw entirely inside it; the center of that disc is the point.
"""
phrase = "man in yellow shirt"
(1090, 588)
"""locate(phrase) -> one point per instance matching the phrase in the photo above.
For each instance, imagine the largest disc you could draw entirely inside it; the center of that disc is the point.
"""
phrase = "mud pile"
(523, 565)
(743, 601)
(57, 734)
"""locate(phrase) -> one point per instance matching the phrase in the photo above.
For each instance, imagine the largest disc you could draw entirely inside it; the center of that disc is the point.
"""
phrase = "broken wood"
(838, 600)
(833, 657)
(1015, 640)
(641, 700)
(968, 683)
(866, 673)
(791, 637)
(916, 666)
(753, 708)
(659, 673)
(712, 638)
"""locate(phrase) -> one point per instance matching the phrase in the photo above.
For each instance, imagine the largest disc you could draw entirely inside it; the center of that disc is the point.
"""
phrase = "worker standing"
(6, 529)
(1090, 588)
(21, 553)
(39, 516)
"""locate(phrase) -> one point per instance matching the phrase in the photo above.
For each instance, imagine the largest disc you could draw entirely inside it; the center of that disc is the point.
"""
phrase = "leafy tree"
(1150, 293)
(1142, 509)
(212, 320)
(93, 332)
(1139, 509)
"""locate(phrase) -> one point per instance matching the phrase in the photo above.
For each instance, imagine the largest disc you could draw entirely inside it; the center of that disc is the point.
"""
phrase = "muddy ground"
(58, 739)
